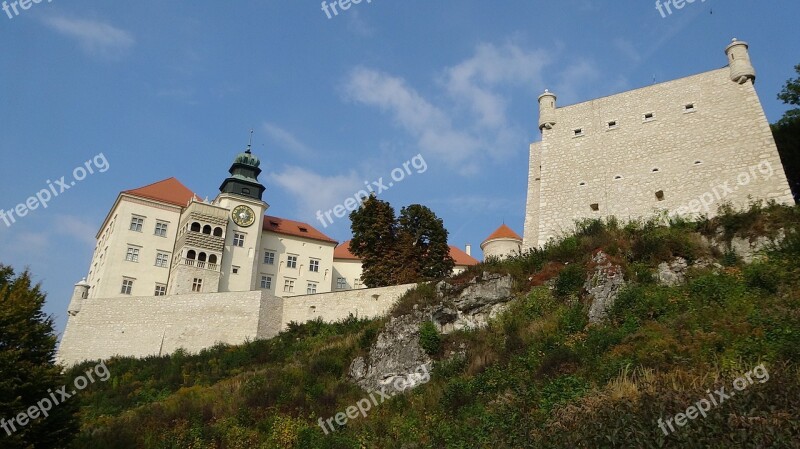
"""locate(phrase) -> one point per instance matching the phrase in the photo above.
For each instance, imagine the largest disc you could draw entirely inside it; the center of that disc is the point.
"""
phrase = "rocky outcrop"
(474, 305)
(672, 273)
(603, 286)
(395, 361)
(748, 249)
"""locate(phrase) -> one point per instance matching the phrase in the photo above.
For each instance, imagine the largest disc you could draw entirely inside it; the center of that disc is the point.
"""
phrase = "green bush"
(429, 338)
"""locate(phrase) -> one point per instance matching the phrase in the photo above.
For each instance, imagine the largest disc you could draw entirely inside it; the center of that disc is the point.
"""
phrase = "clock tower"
(241, 195)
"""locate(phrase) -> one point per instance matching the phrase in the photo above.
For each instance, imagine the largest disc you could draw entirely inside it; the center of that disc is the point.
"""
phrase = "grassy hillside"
(538, 377)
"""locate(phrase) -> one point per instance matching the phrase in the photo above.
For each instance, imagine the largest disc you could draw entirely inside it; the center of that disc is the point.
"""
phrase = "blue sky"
(172, 89)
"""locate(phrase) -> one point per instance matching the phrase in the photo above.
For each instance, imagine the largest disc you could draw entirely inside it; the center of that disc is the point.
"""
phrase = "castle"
(679, 147)
(172, 271)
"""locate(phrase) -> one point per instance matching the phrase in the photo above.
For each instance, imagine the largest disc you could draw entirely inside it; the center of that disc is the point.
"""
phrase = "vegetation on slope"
(538, 376)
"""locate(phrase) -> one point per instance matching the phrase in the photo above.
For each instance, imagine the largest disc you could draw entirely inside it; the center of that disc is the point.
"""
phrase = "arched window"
(207, 229)
(212, 258)
(202, 257)
(196, 227)
(191, 254)
(217, 232)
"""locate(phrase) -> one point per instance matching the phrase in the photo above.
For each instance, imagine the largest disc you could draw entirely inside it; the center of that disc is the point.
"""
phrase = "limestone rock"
(672, 273)
(479, 301)
(603, 286)
(396, 361)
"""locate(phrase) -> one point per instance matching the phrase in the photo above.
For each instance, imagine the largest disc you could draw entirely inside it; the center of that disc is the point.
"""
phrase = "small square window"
(162, 260)
(197, 285)
(341, 284)
(288, 285)
(269, 257)
(136, 224)
(595, 207)
(161, 229)
(127, 286)
(161, 290)
(689, 107)
(266, 282)
(291, 262)
(132, 255)
(577, 132)
(311, 288)
(649, 117)
(235, 270)
(238, 239)
(613, 124)
(313, 265)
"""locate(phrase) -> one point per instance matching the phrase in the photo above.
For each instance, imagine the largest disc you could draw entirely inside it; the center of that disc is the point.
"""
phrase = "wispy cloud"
(94, 37)
(314, 191)
(287, 140)
(431, 126)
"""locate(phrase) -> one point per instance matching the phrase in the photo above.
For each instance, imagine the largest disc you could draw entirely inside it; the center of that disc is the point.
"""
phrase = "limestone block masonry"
(144, 326)
(652, 150)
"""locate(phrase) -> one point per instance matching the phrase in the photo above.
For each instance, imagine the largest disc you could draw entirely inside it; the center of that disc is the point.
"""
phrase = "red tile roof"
(169, 191)
(460, 257)
(343, 252)
(294, 228)
(503, 232)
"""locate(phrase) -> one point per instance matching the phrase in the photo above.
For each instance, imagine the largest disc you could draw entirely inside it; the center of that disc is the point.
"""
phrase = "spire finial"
(250, 143)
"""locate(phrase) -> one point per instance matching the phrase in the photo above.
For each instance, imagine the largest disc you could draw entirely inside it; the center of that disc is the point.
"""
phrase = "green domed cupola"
(244, 175)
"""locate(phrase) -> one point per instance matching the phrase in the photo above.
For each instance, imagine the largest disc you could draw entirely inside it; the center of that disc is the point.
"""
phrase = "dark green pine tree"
(423, 244)
(375, 241)
(787, 133)
(27, 369)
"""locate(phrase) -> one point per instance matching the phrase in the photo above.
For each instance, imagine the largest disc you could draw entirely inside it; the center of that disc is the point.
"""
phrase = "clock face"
(243, 216)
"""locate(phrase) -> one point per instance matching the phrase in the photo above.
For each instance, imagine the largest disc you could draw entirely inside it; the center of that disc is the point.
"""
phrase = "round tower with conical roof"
(547, 110)
(79, 293)
(502, 243)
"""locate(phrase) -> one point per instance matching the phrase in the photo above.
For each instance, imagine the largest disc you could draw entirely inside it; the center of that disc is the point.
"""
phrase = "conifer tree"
(27, 370)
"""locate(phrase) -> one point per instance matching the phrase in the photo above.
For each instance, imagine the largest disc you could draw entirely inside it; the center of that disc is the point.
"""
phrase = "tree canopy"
(409, 248)
(787, 133)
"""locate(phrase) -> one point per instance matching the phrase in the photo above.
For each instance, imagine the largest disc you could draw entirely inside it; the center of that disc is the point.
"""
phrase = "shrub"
(429, 338)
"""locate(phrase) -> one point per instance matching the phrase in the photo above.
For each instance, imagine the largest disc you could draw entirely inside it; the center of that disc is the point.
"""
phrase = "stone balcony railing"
(201, 264)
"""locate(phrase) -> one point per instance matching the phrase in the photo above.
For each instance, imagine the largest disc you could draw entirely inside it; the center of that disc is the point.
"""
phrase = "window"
(195, 227)
(127, 286)
(266, 282)
(269, 257)
(655, 170)
(595, 207)
(358, 283)
(162, 260)
(689, 107)
(132, 255)
(302, 229)
(617, 178)
(161, 229)
(341, 284)
(161, 290)
(291, 262)
(207, 229)
(136, 224)
(577, 132)
(312, 288)
(698, 162)
(217, 232)
(313, 265)
(197, 285)
(612, 124)
(288, 285)
(649, 117)
(235, 270)
(238, 239)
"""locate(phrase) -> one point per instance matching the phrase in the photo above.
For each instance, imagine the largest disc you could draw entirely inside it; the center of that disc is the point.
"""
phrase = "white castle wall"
(143, 326)
(684, 154)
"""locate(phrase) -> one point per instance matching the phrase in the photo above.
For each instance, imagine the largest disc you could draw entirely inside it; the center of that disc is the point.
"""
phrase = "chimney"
(468, 249)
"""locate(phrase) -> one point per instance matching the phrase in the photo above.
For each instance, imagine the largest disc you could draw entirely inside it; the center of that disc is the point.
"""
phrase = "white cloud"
(474, 80)
(316, 192)
(94, 37)
(428, 124)
(287, 140)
